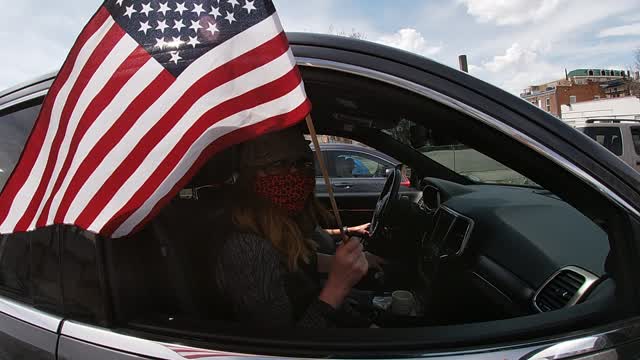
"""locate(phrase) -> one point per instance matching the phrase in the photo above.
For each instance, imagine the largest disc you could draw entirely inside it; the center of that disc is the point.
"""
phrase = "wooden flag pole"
(325, 174)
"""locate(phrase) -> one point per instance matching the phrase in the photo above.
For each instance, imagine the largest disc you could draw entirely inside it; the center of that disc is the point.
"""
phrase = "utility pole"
(462, 60)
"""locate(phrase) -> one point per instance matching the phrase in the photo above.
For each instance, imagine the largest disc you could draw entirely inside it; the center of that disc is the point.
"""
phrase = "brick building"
(579, 85)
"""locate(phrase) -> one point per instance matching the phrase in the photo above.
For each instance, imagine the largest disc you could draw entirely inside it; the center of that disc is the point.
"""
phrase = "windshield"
(456, 156)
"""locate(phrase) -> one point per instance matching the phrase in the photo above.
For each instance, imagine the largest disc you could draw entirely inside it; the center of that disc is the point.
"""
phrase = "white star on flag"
(160, 43)
(175, 57)
(179, 25)
(198, 9)
(215, 12)
(249, 6)
(144, 26)
(180, 8)
(162, 25)
(230, 17)
(130, 11)
(146, 9)
(193, 41)
(234, 3)
(195, 25)
(213, 28)
(164, 8)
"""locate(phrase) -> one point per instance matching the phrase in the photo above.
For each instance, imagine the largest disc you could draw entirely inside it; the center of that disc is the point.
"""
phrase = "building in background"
(622, 108)
(579, 85)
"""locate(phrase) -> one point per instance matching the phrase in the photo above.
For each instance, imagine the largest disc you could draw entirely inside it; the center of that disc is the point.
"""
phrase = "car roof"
(612, 123)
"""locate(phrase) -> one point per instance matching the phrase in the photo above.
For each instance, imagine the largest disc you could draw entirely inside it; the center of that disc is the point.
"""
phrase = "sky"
(509, 43)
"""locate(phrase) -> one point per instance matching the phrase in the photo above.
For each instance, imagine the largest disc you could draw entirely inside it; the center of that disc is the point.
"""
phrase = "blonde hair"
(289, 235)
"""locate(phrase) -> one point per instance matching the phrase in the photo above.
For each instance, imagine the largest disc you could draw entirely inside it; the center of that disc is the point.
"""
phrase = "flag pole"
(325, 174)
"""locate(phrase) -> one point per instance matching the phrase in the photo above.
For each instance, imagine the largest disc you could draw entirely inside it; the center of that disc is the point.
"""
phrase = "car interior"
(469, 251)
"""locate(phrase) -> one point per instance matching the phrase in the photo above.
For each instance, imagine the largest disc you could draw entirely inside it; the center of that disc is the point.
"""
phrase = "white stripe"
(26, 193)
(247, 82)
(103, 123)
(103, 73)
(282, 105)
(239, 45)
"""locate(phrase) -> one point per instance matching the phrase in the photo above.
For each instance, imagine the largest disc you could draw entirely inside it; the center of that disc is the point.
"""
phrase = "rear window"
(15, 127)
(609, 137)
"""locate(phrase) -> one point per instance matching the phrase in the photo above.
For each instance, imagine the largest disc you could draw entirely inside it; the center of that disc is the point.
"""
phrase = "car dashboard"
(517, 249)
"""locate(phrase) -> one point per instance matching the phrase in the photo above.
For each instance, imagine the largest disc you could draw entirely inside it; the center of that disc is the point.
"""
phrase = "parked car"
(355, 169)
(621, 137)
(546, 270)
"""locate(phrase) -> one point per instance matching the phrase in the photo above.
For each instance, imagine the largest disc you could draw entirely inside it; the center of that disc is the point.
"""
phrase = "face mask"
(289, 192)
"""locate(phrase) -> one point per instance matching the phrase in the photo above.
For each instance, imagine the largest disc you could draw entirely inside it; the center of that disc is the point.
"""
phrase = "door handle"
(343, 186)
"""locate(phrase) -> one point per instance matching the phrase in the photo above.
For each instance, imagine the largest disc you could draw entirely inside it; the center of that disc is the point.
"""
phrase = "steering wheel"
(387, 196)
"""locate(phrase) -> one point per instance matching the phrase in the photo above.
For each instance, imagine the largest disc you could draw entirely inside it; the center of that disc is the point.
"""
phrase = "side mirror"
(387, 172)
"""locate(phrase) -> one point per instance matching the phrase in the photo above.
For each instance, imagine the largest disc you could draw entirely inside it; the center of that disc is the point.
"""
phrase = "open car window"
(456, 156)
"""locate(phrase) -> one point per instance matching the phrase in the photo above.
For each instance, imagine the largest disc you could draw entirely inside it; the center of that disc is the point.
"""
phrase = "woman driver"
(267, 269)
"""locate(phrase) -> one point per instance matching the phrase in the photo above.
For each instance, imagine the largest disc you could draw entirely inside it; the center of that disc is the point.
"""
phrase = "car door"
(29, 286)
(635, 147)
(356, 179)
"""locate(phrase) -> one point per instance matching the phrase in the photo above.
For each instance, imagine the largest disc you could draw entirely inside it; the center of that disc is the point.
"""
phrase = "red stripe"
(109, 140)
(243, 64)
(125, 71)
(36, 138)
(95, 60)
(235, 137)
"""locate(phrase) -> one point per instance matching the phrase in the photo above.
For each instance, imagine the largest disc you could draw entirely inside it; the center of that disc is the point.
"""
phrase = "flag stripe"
(150, 139)
(214, 59)
(240, 106)
(98, 104)
(97, 57)
(235, 137)
(36, 140)
(111, 137)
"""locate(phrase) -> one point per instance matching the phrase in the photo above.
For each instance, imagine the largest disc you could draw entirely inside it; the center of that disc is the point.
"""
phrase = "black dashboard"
(523, 245)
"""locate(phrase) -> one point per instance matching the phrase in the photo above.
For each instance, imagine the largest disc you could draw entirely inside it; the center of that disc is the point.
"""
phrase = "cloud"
(511, 12)
(517, 56)
(625, 30)
(519, 67)
(410, 40)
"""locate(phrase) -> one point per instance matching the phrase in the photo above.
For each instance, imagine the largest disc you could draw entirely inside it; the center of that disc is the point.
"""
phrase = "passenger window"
(609, 137)
(635, 135)
(15, 127)
(359, 165)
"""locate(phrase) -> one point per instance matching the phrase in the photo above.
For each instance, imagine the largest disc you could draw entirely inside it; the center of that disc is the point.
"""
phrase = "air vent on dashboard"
(564, 288)
(451, 232)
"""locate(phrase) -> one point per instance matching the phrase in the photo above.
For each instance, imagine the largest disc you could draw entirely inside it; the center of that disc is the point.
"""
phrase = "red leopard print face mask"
(289, 192)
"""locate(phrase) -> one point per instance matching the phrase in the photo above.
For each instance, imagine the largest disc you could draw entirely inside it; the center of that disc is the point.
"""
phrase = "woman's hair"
(290, 235)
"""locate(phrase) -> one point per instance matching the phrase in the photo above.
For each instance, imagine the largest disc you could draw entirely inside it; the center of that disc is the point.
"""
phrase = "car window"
(635, 135)
(354, 164)
(456, 156)
(15, 128)
(607, 136)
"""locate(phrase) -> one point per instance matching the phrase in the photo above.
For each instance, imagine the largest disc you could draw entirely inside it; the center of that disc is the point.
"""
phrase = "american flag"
(148, 93)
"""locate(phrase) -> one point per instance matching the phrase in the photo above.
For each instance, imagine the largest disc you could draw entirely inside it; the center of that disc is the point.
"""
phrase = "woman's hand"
(360, 230)
(347, 269)
(375, 261)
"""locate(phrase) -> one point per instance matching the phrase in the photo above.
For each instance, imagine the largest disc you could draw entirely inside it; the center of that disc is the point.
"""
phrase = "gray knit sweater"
(254, 280)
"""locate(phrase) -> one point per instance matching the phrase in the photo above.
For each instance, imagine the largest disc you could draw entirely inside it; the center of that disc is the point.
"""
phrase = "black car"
(541, 269)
